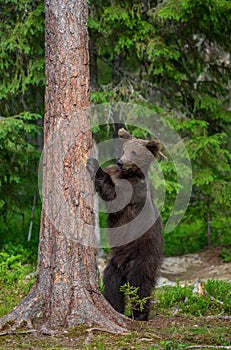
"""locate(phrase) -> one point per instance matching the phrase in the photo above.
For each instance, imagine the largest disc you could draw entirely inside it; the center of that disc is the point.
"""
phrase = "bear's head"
(137, 154)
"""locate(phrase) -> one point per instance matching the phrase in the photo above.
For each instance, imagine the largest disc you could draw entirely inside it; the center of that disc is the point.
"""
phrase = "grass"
(216, 299)
(163, 332)
(180, 318)
(17, 269)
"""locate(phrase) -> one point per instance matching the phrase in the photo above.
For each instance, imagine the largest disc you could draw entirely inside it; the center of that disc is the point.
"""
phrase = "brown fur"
(136, 252)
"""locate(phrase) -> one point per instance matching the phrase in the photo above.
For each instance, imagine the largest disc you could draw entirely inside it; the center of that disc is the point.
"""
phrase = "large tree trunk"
(66, 291)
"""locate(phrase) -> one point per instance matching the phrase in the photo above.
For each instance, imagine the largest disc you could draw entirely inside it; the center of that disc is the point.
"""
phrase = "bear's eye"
(133, 154)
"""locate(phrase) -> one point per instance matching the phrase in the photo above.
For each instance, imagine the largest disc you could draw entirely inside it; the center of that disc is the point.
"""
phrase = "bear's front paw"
(92, 167)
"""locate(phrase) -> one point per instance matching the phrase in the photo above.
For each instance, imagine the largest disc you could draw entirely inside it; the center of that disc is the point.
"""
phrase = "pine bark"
(66, 292)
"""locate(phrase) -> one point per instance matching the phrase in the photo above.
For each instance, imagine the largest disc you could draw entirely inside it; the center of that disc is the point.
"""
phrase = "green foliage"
(18, 162)
(188, 237)
(22, 47)
(132, 299)
(17, 272)
(21, 104)
(182, 299)
(18, 175)
(21, 56)
(101, 285)
(219, 290)
(225, 254)
(14, 227)
(128, 18)
(14, 263)
(210, 160)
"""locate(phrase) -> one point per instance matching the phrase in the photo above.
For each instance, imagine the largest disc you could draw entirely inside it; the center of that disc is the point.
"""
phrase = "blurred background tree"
(22, 82)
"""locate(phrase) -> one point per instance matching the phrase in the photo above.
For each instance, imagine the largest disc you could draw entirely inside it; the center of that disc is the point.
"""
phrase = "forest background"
(170, 56)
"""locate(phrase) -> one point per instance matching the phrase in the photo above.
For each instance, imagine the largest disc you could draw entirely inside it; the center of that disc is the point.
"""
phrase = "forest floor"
(204, 265)
(165, 330)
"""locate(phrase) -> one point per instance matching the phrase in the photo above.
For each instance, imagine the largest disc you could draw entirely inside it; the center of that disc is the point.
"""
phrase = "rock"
(162, 281)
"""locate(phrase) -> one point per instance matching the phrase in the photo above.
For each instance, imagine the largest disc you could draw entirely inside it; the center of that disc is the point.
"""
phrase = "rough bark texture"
(66, 291)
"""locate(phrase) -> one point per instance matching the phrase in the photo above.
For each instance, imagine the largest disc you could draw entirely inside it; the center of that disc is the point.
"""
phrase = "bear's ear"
(124, 134)
(153, 146)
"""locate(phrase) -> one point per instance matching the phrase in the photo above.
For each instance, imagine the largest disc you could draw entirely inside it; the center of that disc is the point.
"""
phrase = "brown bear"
(134, 224)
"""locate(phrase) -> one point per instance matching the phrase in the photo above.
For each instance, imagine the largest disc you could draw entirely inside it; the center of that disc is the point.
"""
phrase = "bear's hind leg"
(142, 315)
(146, 286)
(113, 279)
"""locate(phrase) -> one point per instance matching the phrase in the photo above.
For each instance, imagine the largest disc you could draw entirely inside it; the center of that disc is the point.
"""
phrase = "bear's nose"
(120, 162)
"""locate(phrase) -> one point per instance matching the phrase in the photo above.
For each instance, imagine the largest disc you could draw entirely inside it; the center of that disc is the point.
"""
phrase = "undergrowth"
(174, 318)
(17, 272)
(215, 299)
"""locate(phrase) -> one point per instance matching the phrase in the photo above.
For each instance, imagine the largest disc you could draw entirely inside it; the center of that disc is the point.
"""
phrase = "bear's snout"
(120, 162)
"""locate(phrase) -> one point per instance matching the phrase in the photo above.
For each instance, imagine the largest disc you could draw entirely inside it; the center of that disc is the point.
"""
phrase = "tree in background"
(18, 166)
(22, 57)
(22, 84)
